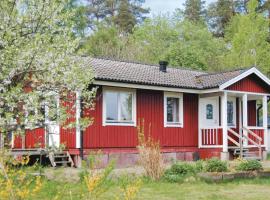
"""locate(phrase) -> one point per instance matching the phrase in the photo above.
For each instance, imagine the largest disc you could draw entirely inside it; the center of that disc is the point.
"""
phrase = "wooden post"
(240, 127)
(199, 117)
(264, 101)
(78, 115)
(245, 117)
(224, 124)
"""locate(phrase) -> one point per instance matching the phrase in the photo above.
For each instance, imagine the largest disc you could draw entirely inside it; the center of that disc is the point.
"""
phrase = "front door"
(53, 127)
(209, 108)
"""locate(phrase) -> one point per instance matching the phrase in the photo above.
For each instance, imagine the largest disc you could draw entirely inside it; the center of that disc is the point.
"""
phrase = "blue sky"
(164, 6)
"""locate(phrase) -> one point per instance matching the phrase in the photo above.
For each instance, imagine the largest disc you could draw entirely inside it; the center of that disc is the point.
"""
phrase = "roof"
(138, 73)
(217, 79)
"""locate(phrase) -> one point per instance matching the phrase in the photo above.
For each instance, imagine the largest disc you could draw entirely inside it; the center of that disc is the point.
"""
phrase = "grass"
(251, 189)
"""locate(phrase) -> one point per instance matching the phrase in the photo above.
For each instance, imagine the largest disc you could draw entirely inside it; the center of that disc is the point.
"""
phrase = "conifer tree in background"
(105, 11)
(125, 20)
(219, 14)
(194, 10)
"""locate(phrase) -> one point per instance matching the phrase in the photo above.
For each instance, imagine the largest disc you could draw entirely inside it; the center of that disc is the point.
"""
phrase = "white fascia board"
(243, 75)
(150, 87)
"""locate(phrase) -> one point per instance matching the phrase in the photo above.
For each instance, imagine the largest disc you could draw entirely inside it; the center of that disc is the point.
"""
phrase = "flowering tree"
(38, 44)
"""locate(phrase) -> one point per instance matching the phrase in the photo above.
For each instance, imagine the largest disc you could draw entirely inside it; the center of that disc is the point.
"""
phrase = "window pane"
(209, 111)
(173, 109)
(111, 106)
(126, 106)
(230, 112)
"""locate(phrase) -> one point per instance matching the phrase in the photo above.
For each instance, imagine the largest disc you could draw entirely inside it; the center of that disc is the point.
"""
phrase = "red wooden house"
(192, 113)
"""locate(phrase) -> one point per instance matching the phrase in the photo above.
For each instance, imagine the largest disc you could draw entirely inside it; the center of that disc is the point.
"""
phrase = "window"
(119, 107)
(231, 112)
(209, 111)
(173, 110)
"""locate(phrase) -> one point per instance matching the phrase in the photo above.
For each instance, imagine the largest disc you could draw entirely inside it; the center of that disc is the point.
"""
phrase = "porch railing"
(210, 137)
(255, 139)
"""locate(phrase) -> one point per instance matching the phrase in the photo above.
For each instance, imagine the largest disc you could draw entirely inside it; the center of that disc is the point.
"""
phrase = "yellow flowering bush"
(15, 183)
(97, 181)
(130, 190)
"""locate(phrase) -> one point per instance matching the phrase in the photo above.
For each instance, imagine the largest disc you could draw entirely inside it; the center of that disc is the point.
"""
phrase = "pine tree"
(125, 19)
(107, 10)
(219, 14)
(194, 10)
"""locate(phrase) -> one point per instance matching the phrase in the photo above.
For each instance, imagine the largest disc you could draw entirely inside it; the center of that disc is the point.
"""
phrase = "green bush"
(249, 165)
(199, 166)
(182, 169)
(179, 171)
(216, 165)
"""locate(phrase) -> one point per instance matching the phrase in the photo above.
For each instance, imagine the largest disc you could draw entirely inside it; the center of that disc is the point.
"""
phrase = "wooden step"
(62, 162)
(63, 156)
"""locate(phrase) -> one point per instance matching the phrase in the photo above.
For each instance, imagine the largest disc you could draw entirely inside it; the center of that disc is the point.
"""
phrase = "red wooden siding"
(251, 83)
(149, 108)
(252, 117)
(68, 135)
(33, 139)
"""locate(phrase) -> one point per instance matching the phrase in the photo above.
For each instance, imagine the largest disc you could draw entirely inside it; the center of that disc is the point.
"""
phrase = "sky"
(164, 6)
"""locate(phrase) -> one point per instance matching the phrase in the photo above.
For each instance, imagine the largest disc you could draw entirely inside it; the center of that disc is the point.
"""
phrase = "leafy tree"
(196, 48)
(247, 37)
(151, 40)
(194, 10)
(37, 57)
(104, 42)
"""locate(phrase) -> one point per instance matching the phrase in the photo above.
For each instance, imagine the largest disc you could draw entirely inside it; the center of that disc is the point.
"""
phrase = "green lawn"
(236, 190)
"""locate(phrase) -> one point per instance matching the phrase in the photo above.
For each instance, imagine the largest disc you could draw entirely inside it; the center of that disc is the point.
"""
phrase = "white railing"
(256, 139)
(210, 137)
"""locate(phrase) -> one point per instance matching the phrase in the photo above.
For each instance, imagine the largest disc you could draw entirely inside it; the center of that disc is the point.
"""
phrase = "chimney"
(163, 66)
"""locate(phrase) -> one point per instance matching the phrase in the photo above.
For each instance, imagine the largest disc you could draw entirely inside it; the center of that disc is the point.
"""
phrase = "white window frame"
(181, 109)
(134, 107)
(233, 99)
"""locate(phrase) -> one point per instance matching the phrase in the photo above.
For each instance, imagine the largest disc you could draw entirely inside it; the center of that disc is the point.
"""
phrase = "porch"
(233, 121)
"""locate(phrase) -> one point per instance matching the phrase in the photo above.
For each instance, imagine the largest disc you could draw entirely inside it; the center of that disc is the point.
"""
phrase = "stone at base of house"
(264, 155)
(130, 159)
(77, 161)
(224, 155)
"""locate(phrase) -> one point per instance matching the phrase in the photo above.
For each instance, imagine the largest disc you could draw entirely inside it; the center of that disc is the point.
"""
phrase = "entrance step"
(61, 159)
(247, 155)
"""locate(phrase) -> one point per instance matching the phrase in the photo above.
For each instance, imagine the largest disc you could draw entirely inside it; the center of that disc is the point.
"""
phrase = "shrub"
(182, 169)
(129, 186)
(199, 166)
(150, 157)
(179, 171)
(216, 165)
(15, 182)
(249, 165)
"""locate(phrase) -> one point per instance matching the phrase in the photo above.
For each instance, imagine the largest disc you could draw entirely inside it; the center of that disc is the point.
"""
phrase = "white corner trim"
(134, 106)
(243, 75)
(181, 109)
(78, 116)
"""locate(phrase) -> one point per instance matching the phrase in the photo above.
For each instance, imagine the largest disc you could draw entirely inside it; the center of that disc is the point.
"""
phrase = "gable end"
(251, 83)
